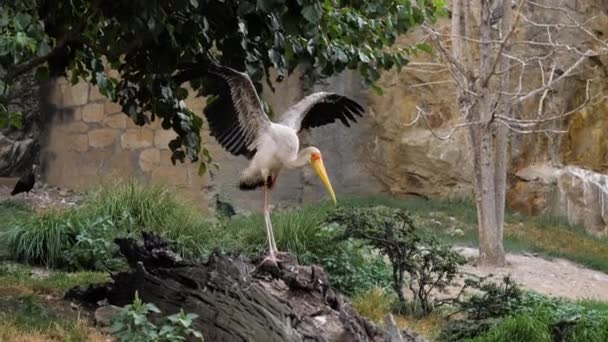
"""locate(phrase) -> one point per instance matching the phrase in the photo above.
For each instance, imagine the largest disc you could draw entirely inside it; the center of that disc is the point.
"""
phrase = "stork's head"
(317, 163)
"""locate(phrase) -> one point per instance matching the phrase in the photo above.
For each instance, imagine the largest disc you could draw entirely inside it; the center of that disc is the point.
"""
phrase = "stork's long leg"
(269, 233)
(267, 199)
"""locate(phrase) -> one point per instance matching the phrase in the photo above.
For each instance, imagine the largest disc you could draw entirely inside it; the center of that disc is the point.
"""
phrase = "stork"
(238, 122)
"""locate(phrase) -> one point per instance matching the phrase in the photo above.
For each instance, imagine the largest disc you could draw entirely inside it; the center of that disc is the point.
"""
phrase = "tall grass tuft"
(521, 328)
(150, 206)
(40, 239)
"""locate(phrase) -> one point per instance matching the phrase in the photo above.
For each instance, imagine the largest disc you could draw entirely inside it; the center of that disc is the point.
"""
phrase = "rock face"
(577, 194)
(19, 148)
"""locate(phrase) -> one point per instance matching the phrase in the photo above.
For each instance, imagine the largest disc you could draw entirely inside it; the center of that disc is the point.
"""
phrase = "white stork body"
(238, 122)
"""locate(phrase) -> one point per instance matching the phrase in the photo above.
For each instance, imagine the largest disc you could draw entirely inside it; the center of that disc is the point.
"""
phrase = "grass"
(18, 279)
(30, 310)
(24, 319)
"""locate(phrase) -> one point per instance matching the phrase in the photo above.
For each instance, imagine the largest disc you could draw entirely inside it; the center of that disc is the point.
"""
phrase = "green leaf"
(311, 13)
(425, 47)
(194, 3)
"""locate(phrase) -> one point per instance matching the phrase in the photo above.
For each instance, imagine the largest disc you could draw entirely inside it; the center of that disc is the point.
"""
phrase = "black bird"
(25, 183)
(224, 209)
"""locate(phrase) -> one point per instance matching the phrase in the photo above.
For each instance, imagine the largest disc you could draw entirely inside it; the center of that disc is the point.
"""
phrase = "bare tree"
(505, 58)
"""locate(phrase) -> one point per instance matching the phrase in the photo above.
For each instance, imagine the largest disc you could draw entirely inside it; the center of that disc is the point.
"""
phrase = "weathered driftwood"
(235, 300)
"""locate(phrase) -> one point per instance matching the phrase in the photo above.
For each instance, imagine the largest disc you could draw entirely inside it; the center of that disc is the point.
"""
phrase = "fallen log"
(236, 299)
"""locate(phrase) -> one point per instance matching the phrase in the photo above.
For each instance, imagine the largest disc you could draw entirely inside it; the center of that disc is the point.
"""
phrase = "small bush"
(353, 268)
(492, 299)
(95, 248)
(419, 262)
(132, 324)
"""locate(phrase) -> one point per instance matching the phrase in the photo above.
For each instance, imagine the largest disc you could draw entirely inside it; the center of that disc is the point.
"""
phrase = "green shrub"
(492, 299)
(95, 248)
(419, 263)
(505, 312)
(132, 324)
(353, 268)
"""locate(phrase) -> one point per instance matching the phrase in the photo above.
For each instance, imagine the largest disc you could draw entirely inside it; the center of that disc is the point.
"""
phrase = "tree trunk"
(235, 300)
(489, 145)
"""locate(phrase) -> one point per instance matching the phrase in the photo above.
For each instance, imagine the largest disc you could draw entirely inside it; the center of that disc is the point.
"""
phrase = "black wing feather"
(234, 115)
(320, 109)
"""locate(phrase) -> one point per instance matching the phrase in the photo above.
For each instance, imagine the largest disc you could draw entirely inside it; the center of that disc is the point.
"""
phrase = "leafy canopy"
(158, 45)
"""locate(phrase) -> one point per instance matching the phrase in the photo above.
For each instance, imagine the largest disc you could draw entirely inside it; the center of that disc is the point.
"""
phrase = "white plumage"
(237, 120)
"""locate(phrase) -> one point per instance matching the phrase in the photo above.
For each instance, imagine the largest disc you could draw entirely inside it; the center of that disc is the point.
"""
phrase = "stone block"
(172, 175)
(112, 107)
(76, 95)
(79, 142)
(162, 137)
(93, 112)
(165, 157)
(76, 127)
(116, 121)
(77, 114)
(149, 159)
(104, 137)
(137, 138)
(95, 94)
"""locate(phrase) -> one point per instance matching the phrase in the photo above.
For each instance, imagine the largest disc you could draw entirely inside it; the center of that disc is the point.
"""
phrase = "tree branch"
(24, 67)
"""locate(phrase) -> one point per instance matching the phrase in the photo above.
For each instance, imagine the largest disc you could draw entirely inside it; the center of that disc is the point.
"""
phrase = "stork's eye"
(315, 156)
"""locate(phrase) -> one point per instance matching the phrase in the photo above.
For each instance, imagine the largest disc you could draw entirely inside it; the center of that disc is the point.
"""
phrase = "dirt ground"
(42, 197)
(555, 277)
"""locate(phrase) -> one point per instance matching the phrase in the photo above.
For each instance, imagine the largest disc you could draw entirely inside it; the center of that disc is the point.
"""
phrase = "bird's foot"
(274, 258)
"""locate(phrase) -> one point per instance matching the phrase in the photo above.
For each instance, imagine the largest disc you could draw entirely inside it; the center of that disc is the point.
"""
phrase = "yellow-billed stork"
(238, 122)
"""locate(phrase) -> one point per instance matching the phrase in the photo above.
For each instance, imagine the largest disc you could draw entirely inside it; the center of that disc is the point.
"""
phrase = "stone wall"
(90, 140)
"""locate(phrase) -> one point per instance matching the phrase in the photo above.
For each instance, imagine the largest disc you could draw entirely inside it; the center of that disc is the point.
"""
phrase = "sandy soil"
(555, 277)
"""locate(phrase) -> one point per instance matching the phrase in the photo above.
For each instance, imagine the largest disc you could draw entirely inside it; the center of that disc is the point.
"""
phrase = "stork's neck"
(303, 157)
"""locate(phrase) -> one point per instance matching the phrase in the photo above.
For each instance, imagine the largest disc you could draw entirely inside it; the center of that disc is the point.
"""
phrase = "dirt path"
(555, 277)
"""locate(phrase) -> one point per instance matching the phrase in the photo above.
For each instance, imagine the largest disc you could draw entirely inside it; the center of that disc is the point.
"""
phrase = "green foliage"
(504, 312)
(40, 239)
(418, 261)
(83, 238)
(492, 299)
(12, 211)
(157, 46)
(132, 324)
(520, 328)
(352, 266)
(94, 248)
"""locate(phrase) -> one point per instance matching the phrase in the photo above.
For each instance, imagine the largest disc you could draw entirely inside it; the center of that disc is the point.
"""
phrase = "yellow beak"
(317, 164)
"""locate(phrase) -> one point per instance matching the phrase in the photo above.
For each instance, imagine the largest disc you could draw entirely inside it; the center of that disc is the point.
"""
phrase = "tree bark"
(235, 299)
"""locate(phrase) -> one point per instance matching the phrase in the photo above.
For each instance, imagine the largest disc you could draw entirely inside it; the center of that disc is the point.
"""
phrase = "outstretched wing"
(236, 118)
(320, 109)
